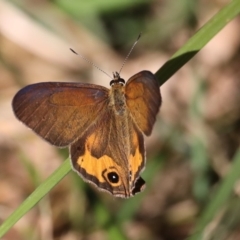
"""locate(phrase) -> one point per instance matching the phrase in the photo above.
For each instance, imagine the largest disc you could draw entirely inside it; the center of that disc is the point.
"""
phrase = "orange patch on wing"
(96, 166)
(136, 162)
(136, 159)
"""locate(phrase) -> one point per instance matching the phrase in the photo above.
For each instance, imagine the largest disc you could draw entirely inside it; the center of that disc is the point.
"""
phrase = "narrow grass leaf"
(221, 196)
(36, 196)
(198, 41)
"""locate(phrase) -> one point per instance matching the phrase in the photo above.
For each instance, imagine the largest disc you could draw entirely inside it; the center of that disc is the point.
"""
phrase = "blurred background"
(194, 139)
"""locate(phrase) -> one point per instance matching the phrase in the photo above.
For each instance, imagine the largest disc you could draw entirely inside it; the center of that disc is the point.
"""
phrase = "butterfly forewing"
(143, 100)
(60, 112)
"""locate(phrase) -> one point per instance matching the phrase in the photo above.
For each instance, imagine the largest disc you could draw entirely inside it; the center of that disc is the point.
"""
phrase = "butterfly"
(102, 127)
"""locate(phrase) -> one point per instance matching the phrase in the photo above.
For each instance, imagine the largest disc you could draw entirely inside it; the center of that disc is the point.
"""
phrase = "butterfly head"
(117, 80)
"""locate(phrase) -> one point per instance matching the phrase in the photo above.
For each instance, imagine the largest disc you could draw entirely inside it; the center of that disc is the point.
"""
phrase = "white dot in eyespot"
(113, 177)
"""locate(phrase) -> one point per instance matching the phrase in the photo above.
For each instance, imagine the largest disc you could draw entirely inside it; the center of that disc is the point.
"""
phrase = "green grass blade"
(221, 196)
(36, 196)
(198, 41)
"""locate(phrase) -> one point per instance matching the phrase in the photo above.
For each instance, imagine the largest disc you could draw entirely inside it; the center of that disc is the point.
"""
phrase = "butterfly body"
(102, 127)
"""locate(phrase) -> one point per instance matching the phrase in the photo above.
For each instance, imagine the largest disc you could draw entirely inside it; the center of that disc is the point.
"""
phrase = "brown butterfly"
(102, 127)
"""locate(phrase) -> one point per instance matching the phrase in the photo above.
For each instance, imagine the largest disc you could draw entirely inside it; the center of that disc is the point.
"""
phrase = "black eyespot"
(139, 186)
(113, 177)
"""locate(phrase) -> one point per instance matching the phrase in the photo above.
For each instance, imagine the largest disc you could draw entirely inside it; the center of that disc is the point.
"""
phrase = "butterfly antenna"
(130, 52)
(87, 60)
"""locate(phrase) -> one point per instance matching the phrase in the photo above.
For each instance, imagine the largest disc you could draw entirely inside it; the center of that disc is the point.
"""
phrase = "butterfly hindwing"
(103, 157)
